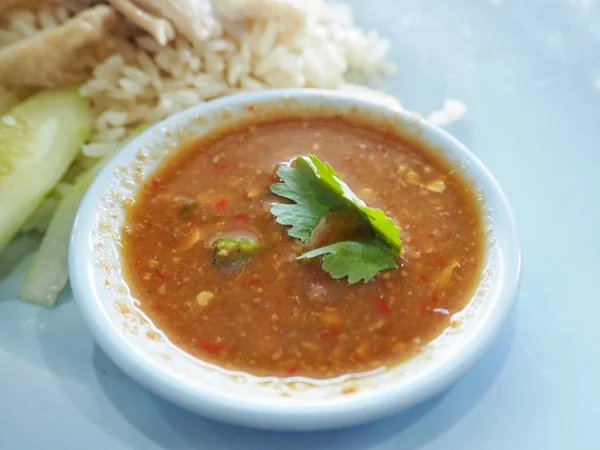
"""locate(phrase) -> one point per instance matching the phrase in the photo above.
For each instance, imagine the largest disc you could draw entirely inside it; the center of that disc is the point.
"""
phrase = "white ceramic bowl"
(131, 341)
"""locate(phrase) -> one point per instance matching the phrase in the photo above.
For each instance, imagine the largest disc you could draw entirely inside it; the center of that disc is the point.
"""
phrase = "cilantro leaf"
(317, 190)
(357, 260)
(332, 181)
(312, 200)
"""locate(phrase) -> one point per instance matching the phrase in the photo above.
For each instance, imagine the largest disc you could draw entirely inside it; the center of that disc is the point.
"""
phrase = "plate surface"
(530, 74)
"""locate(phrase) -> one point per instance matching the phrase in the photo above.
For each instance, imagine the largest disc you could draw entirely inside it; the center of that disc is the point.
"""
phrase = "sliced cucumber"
(49, 272)
(39, 138)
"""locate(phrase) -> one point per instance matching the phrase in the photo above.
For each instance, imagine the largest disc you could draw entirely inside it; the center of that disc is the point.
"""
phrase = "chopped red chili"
(157, 183)
(330, 333)
(242, 218)
(383, 150)
(221, 204)
(253, 281)
(291, 371)
(212, 347)
(220, 167)
(382, 306)
(160, 274)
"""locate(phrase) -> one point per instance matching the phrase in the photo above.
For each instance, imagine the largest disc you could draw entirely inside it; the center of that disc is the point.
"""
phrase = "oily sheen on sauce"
(273, 315)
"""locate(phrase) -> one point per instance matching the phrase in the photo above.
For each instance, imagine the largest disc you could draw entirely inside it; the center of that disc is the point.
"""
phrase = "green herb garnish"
(230, 251)
(318, 190)
(188, 209)
(357, 260)
(313, 200)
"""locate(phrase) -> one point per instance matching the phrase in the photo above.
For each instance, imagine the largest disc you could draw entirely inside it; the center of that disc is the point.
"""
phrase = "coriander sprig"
(318, 190)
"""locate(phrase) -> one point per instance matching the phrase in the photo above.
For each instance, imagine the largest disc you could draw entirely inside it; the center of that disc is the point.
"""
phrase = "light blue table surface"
(527, 70)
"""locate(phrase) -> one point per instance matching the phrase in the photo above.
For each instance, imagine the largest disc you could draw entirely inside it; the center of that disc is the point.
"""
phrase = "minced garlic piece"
(204, 298)
(413, 177)
(436, 186)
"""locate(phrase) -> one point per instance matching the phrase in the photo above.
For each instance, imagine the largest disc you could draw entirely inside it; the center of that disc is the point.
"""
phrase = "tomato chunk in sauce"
(259, 309)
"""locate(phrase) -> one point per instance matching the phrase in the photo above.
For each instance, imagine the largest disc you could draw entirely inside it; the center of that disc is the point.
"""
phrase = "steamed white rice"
(142, 82)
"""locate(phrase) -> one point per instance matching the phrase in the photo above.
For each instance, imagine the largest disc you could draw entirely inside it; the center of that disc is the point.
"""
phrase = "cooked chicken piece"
(200, 20)
(252, 9)
(192, 18)
(234, 12)
(159, 28)
(47, 59)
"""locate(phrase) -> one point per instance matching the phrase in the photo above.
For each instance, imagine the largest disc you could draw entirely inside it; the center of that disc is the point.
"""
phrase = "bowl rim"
(327, 414)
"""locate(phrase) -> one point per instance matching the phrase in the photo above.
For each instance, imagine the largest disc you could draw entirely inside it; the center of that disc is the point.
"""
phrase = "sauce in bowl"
(268, 313)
